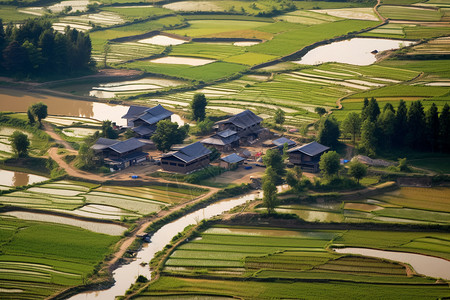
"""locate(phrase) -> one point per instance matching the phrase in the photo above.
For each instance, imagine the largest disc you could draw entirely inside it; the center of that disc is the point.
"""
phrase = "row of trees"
(35, 49)
(390, 128)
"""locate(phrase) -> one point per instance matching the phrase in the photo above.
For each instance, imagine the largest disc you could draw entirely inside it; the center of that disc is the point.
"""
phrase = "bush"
(336, 183)
(203, 174)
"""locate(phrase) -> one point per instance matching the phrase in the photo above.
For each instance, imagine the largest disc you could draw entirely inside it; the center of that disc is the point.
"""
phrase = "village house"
(246, 124)
(142, 120)
(307, 156)
(231, 161)
(187, 159)
(280, 142)
(223, 141)
(120, 154)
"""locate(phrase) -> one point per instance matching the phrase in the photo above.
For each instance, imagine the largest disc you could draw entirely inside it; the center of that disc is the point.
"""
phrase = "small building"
(246, 124)
(142, 120)
(279, 143)
(307, 156)
(187, 159)
(120, 154)
(231, 161)
(223, 141)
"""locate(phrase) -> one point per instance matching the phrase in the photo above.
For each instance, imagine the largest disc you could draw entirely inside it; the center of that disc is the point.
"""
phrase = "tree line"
(391, 128)
(34, 48)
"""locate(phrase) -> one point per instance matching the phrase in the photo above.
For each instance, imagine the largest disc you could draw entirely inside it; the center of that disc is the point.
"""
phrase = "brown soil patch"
(362, 207)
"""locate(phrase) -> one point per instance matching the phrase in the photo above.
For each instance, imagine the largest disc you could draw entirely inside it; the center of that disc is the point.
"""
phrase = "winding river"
(126, 275)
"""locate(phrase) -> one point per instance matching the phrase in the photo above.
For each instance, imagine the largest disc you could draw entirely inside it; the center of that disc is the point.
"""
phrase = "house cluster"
(241, 129)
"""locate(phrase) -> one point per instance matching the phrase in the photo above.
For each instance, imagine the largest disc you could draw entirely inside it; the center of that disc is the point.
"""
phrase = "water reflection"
(12, 178)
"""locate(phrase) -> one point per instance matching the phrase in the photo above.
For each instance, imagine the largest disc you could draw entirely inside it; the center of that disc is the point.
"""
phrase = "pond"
(162, 40)
(180, 60)
(422, 264)
(19, 101)
(13, 178)
(356, 51)
(99, 227)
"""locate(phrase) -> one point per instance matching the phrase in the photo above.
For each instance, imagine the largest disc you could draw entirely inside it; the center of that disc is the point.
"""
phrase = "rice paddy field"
(264, 263)
(410, 205)
(39, 259)
(101, 202)
(6, 151)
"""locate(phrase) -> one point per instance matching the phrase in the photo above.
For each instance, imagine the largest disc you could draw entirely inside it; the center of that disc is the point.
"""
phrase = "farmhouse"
(279, 143)
(246, 124)
(223, 141)
(231, 161)
(187, 159)
(142, 120)
(120, 154)
(307, 156)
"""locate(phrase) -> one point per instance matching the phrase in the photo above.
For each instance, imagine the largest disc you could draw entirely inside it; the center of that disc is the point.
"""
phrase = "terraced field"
(39, 259)
(102, 202)
(281, 255)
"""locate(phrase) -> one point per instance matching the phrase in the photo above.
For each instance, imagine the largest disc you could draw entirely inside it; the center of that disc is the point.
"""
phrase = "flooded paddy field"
(10, 179)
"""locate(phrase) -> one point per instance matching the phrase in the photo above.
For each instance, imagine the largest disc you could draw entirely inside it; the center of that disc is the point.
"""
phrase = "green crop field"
(39, 259)
(410, 13)
(10, 13)
(281, 255)
(132, 13)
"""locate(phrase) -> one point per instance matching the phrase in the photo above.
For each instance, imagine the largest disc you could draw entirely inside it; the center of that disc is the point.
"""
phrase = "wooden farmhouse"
(279, 143)
(223, 141)
(307, 156)
(142, 120)
(231, 161)
(246, 124)
(187, 159)
(120, 154)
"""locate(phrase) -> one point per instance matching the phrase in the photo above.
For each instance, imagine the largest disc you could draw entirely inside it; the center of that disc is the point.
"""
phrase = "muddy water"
(355, 51)
(12, 178)
(126, 275)
(422, 264)
(19, 101)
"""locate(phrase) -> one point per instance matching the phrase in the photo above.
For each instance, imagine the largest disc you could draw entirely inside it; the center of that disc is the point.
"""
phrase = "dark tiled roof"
(134, 111)
(232, 158)
(127, 145)
(282, 140)
(244, 119)
(311, 149)
(155, 114)
(190, 152)
(103, 143)
(143, 130)
(226, 133)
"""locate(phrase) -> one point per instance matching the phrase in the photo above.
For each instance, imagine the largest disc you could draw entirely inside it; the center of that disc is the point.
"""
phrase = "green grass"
(440, 165)
(41, 258)
(306, 5)
(209, 72)
(433, 67)
(250, 58)
(425, 32)
(200, 28)
(10, 13)
(409, 13)
(214, 51)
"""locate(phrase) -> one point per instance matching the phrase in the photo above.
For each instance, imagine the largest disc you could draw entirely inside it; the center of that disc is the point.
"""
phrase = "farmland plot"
(85, 22)
(39, 259)
(410, 13)
(223, 252)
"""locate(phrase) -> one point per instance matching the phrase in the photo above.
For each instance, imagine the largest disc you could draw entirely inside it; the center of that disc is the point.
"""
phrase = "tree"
(386, 124)
(293, 179)
(416, 125)
(444, 126)
(320, 110)
(388, 106)
(364, 109)
(401, 124)
(205, 126)
(279, 116)
(129, 134)
(167, 134)
(269, 188)
(368, 143)
(39, 111)
(198, 106)
(30, 116)
(373, 110)
(15, 58)
(106, 50)
(329, 164)
(108, 131)
(329, 132)
(352, 125)
(432, 121)
(274, 159)
(357, 170)
(215, 154)
(19, 143)
(86, 159)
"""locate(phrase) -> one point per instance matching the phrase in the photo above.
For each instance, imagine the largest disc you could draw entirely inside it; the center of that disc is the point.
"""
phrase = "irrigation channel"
(126, 275)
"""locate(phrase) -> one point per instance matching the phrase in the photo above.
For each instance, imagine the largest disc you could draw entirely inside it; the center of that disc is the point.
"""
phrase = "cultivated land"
(246, 253)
